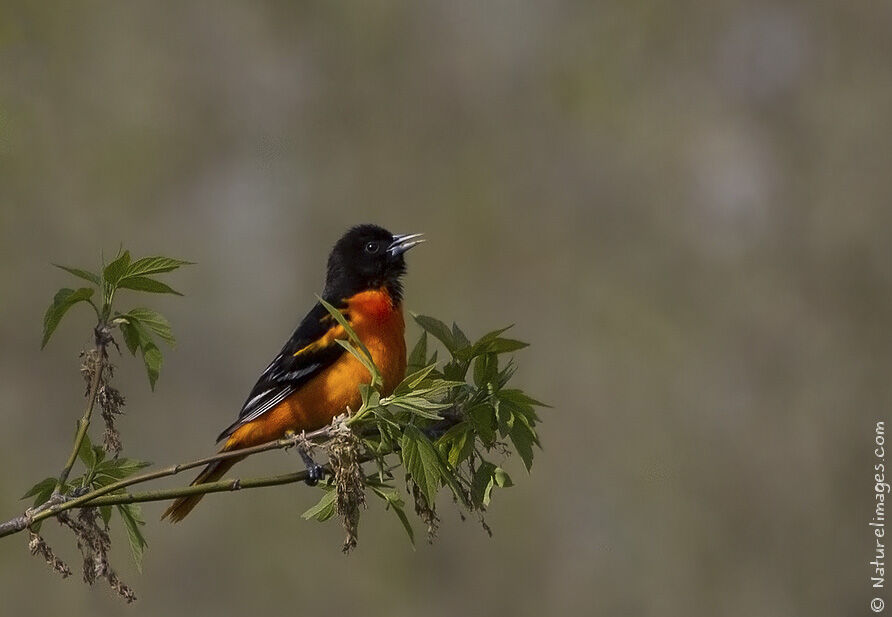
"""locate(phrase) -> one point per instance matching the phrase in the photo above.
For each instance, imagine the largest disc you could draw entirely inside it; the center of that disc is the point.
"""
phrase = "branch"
(53, 507)
(102, 496)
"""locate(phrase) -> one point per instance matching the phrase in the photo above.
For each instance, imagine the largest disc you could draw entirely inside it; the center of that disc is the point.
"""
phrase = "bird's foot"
(315, 472)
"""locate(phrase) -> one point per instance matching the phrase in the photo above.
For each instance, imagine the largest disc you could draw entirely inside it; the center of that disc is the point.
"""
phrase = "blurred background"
(683, 206)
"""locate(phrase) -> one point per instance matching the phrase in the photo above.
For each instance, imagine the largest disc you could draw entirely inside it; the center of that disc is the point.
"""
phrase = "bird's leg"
(315, 472)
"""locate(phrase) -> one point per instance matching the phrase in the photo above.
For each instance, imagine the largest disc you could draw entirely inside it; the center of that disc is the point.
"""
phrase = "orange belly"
(380, 326)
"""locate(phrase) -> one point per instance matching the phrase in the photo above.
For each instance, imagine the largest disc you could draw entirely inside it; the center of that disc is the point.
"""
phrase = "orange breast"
(379, 325)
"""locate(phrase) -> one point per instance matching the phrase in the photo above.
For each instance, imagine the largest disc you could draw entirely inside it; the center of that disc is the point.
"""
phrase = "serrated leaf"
(132, 517)
(114, 271)
(154, 321)
(421, 462)
(84, 274)
(120, 468)
(325, 509)
(106, 513)
(144, 283)
(131, 336)
(155, 265)
(438, 330)
(63, 300)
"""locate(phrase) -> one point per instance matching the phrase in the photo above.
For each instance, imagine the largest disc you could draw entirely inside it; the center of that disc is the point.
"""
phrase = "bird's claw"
(315, 471)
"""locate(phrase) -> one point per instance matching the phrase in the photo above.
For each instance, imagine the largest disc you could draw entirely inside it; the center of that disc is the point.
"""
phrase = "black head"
(367, 257)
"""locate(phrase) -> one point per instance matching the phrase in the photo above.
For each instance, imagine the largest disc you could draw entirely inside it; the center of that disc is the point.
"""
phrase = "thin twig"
(83, 424)
(51, 509)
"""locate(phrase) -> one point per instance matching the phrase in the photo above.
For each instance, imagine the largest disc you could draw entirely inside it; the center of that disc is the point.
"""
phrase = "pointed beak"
(403, 242)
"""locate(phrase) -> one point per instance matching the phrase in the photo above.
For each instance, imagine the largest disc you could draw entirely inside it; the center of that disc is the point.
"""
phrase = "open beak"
(403, 242)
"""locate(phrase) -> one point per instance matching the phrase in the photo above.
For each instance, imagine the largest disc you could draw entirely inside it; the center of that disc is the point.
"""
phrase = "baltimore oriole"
(313, 379)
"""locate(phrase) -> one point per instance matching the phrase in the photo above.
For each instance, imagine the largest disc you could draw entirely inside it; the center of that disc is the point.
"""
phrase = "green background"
(683, 206)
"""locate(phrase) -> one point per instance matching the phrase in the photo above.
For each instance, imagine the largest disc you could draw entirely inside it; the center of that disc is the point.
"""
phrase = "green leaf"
(505, 345)
(418, 357)
(86, 453)
(481, 484)
(482, 417)
(114, 271)
(155, 265)
(421, 406)
(41, 493)
(151, 356)
(523, 438)
(106, 513)
(438, 330)
(137, 336)
(461, 341)
(84, 274)
(520, 398)
(491, 336)
(503, 480)
(411, 381)
(506, 373)
(153, 320)
(64, 299)
(132, 517)
(421, 462)
(325, 509)
(485, 369)
(131, 336)
(144, 283)
(396, 503)
(120, 468)
(458, 443)
(456, 370)
(481, 346)
(44, 486)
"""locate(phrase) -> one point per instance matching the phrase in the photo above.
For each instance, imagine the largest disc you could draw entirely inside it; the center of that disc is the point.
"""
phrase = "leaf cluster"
(450, 422)
(139, 326)
(99, 472)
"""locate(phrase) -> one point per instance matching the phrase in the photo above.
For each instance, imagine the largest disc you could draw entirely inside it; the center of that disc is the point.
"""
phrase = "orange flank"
(380, 326)
(378, 322)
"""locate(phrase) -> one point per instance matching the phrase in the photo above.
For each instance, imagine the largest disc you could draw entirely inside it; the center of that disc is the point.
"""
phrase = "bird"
(313, 378)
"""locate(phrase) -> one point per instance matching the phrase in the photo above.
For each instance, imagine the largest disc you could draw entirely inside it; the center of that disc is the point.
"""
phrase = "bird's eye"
(371, 247)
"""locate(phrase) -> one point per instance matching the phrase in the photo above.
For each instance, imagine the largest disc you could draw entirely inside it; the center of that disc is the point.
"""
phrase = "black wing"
(309, 350)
